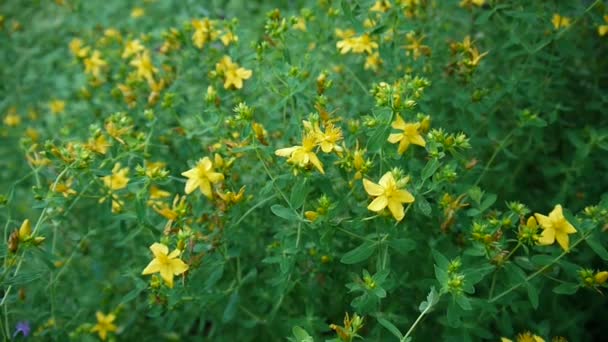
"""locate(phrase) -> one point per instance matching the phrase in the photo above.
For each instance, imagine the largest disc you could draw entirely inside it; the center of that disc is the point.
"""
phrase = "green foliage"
(311, 170)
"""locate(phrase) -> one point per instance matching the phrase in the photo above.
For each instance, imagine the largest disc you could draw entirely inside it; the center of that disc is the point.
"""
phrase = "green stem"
(499, 148)
(541, 270)
(422, 314)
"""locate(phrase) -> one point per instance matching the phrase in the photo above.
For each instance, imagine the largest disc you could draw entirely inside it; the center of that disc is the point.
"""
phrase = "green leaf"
(463, 302)
(430, 168)
(514, 273)
(533, 295)
(23, 278)
(359, 254)
(348, 12)
(301, 335)
(284, 213)
(131, 295)
(390, 327)
(440, 260)
(215, 276)
(454, 314)
(402, 246)
(431, 299)
(299, 193)
(487, 202)
(441, 275)
(231, 307)
(593, 242)
(377, 139)
(423, 205)
(566, 289)
(475, 275)
(542, 260)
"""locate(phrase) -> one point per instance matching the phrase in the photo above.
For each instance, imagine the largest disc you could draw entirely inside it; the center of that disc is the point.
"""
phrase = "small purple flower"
(22, 327)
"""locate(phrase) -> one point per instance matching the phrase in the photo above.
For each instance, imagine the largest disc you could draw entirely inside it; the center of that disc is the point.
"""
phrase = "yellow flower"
(117, 132)
(133, 47)
(98, 145)
(388, 194)
(529, 337)
(415, 46)
(57, 106)
(560, 22)
(112, 33)
(144, 67)
(168, 265)
(173, 212)
(601, 277)
(410, 134)
(300, 24)
(602, 30)
(303, 155)
(25, 231)
(105, 324)
(12, 118)
(137, 12)
(65, 188)
(228, 38)
(556, 227)
(328, 140)
(203, 32)
(118, 179)
(232, 197)
(157, 194)
(380, 6)
(360, 44)
(471, 3)
(78, 49)
(94, 64)
(202, 176)
(373, 62)
(475, 57)
(233, 74)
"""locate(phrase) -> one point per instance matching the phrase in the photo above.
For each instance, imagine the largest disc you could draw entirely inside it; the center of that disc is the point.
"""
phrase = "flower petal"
(394, 138)
(403, 196)
(563, 240)
(191, 185)
(205, 187)
(378, 204)
(215, 177)
(557, 213)
(396, 208)
(405, 143)
(158, 249)
(174, 254)
(153, 267)
(286, 152)
(544, 221)
(387, 180)
(205, 164)
(372, 189)
(167, 274)
(190, 173)
(568, 228)
(417, 140)
(315, 161)
(178, 266)
(547, 237)
(398, 123)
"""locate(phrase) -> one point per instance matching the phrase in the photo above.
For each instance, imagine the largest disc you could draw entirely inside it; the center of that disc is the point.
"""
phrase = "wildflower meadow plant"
(307, 170)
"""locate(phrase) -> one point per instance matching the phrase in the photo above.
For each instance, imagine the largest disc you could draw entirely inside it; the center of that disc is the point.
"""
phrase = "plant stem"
(422, 314)
(541, 270)
(499, 148)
